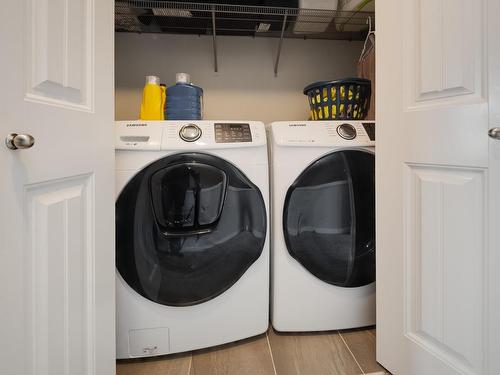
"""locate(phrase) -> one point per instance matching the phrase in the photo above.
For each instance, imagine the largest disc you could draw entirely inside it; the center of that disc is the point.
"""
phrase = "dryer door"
(188, 226)
(329, 218)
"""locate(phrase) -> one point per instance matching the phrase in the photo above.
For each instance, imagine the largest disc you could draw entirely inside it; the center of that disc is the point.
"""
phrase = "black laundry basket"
(340, 99)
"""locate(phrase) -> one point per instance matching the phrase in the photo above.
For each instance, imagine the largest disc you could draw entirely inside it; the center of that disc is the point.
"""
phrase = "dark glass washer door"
(329, 218)
(188, 226)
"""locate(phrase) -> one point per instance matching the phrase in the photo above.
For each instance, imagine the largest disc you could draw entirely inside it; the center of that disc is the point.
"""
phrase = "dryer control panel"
(345, 133)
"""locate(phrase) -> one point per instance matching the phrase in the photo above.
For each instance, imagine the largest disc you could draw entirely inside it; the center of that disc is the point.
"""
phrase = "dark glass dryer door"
(188, 226)
(329, 218)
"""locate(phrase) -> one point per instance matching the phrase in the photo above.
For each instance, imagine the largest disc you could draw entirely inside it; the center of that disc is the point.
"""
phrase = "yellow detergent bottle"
(153, 99)
(163, 100)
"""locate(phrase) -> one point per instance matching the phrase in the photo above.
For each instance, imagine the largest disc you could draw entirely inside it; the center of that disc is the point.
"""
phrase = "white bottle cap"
(182, 78)
(155, 80)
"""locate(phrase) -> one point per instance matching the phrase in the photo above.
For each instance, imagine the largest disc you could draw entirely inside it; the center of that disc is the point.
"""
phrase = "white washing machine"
(192, 248)
(323, 220)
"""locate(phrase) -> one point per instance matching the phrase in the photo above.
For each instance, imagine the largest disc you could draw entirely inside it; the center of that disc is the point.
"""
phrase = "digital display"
(370, 130)
(232, 133)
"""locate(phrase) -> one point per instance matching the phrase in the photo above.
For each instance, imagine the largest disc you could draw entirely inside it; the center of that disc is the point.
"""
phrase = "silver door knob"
(494, 133)
(16, 141)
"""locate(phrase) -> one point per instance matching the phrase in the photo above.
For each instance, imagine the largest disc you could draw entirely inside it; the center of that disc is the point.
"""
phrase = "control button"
(346, 131)
(190, 133)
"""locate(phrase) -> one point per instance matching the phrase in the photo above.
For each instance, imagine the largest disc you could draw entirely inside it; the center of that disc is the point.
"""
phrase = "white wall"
(245, 87)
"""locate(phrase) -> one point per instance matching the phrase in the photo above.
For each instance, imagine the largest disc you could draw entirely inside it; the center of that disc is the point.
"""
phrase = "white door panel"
(434, 178)
(444, 262)
(59, 48)
(441, 60)
(493, 260)
(58, 264)
(57, 217)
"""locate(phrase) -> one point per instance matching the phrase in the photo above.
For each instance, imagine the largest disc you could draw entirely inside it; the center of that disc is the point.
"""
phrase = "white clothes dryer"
(323, 219)
(192, 249)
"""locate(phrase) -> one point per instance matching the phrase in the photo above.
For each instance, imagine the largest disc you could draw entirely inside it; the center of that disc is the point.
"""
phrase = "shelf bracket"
(277, 61)
(214, 40)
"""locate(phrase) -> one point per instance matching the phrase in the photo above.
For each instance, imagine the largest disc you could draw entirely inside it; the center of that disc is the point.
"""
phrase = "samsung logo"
(297, 125)
(137, 125)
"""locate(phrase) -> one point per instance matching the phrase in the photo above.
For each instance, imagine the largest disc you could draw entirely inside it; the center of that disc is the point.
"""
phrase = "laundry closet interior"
(194, 305)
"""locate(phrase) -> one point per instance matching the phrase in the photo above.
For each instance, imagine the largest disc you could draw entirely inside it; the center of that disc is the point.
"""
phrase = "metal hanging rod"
(279, 45)
(214, 40)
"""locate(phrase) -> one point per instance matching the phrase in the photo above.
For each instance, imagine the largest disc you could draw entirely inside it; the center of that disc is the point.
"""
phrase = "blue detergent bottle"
(184, 100)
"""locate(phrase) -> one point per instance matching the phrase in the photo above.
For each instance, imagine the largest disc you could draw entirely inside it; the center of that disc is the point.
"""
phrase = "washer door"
(329, 218)
(188, 226)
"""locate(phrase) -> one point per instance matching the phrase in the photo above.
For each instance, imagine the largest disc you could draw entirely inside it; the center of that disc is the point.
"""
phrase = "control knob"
(190, 133)
(346, 131)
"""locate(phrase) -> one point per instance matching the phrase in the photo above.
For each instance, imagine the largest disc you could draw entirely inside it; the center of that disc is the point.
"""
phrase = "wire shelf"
(233, 19)
(175, 17)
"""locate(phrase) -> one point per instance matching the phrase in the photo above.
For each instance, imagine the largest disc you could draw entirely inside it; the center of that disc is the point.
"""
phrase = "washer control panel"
(232, 132)
(346, 131)
(190, 133)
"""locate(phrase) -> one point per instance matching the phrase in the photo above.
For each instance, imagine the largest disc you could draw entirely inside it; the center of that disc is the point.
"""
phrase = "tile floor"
(349, 352)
